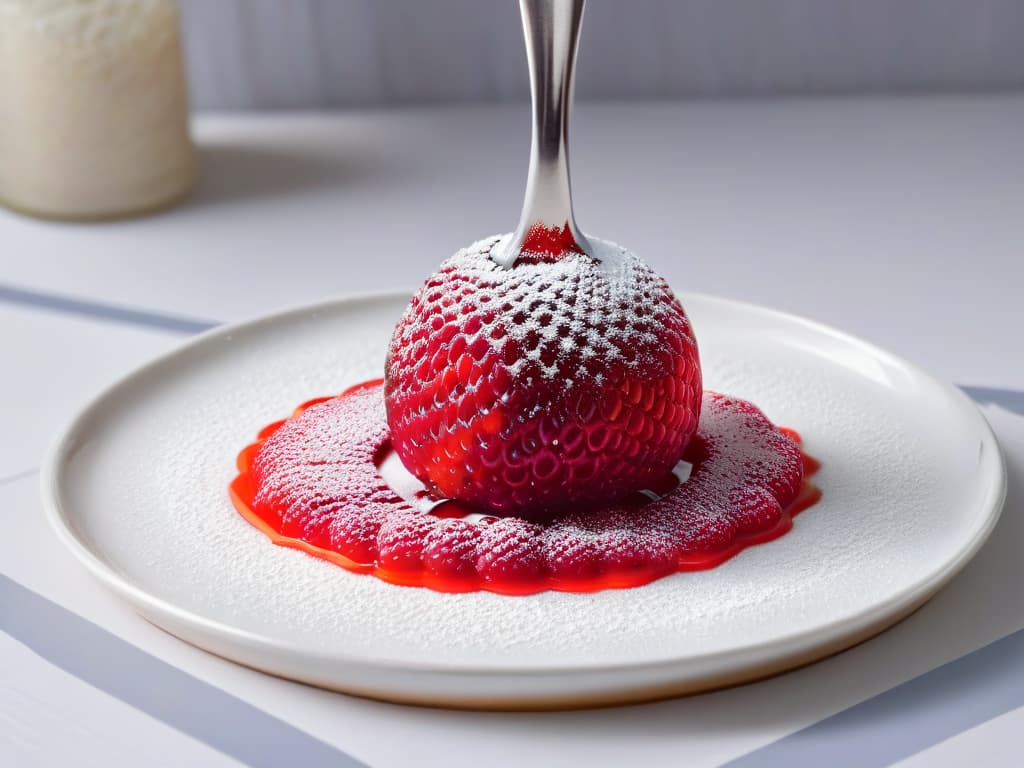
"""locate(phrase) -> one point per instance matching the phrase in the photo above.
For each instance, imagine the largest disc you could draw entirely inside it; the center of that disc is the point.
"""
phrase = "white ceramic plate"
(912, 477)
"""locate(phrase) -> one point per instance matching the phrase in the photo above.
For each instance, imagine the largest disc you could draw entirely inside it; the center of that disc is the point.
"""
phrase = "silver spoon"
(552, 30)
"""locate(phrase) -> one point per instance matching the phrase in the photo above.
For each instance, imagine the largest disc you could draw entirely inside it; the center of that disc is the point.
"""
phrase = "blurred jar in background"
(93, 108)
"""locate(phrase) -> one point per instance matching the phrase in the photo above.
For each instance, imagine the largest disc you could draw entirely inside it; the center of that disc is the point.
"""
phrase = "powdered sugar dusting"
(318, 470)
(619, 303)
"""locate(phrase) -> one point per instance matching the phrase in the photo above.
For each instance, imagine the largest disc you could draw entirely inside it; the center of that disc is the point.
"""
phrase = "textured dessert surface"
(549, 384)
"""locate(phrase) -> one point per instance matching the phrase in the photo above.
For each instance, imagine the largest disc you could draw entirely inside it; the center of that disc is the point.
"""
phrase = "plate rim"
(58, 455)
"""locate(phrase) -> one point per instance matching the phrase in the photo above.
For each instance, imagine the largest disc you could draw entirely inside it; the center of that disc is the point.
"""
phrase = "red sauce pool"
(622, 568)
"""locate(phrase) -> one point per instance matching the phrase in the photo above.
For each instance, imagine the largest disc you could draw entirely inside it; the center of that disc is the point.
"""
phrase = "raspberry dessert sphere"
(558, 383)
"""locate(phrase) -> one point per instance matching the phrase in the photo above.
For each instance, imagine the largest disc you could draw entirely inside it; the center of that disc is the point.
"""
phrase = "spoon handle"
(547, 226)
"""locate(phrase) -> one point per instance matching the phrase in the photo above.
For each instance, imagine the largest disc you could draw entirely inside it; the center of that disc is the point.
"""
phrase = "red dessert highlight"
(312, 482)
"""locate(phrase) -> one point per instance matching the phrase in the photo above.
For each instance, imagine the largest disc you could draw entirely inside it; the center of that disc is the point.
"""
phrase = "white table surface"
(899, 221)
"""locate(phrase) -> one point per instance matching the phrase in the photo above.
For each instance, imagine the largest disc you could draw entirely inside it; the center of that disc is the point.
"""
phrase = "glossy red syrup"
(312, 482)
(547, 244)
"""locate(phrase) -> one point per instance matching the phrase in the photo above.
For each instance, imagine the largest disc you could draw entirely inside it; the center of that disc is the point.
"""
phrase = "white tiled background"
(308, 54)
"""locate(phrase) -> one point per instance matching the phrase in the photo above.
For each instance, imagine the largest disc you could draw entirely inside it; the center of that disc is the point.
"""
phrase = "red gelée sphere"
(558, 383)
